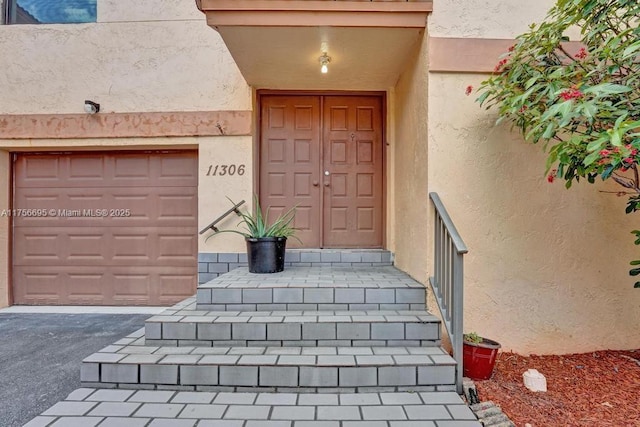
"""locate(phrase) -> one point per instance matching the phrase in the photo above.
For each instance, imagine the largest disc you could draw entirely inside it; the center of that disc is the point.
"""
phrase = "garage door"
(105, 228)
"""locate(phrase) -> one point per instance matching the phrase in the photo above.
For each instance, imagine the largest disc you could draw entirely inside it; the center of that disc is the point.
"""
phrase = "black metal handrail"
(213, 227)
(448, 279)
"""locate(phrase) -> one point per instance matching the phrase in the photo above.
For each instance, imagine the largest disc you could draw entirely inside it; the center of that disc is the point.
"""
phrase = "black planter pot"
(266, 254)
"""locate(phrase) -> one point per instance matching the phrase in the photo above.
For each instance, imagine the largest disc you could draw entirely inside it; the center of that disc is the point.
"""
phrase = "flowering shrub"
(583, 104)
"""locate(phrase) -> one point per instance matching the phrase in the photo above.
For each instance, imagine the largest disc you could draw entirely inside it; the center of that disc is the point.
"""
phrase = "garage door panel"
(38, 171)
(50, 207)
(178, 170)
(107, 170)
(84, 288)
(174, 207)
(131, 248)
(85, 247)
(117, 228)
(175, 249)
(162, 285)
(108, 246)
(134, 288)
(173, 285)
(39, 246)
(87, 169)
(38, 286)
(108, 285)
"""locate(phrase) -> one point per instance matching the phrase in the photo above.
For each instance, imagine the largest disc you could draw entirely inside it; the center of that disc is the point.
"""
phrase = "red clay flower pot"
(478, 359)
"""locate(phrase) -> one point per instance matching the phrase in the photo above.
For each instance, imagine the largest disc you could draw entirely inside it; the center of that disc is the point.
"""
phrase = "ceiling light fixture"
(324, 63)
(91, 107)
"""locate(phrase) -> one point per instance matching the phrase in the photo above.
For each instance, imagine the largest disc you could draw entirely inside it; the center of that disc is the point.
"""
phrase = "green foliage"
(584, 105)
(257, 225)
(472, 337)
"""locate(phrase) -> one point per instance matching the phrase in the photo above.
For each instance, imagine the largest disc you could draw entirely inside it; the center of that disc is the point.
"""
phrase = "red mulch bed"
(592, 389)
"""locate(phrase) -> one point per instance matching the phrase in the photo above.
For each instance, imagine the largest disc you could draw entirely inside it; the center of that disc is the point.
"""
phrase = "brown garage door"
(105, 228)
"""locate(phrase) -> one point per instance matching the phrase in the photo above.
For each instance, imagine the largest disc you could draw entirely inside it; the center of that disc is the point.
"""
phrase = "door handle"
(315, 183)
(326, 183)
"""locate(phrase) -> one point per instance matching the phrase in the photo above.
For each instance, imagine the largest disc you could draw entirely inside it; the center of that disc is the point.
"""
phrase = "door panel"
(324, 154)
(352, 144)
(289, 162)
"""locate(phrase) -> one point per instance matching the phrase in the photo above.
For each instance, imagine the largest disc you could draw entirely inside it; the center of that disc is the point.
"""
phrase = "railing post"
(458, 316)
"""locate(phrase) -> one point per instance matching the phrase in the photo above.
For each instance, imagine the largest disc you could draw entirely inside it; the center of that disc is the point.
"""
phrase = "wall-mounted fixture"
(324, 63)
(91, 107)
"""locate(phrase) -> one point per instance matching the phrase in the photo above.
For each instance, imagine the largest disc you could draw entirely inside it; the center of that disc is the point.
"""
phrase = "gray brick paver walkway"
(399, 409)
(340, 329)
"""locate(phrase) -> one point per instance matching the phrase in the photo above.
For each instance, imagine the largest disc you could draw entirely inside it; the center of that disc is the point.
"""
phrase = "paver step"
(88, 406)
(289, 328)
(212, 265)
(134, 364)
(312, 288)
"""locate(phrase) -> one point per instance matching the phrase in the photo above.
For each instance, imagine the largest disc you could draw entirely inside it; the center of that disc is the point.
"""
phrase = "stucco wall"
(214, 190)
(485, 18)
(547, 267)
(410, 202)
(152, 55)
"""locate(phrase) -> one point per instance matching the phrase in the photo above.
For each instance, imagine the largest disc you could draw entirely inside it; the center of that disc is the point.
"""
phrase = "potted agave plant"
(266, 241)
(478, 356)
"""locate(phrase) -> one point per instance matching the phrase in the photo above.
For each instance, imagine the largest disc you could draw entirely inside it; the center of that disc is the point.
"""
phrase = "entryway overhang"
(277, 43)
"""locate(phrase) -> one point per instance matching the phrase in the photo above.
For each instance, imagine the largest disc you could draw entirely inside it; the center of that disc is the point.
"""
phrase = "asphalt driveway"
(40, 357)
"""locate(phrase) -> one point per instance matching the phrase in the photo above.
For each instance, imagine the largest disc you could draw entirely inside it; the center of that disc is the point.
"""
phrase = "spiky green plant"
(257, 225)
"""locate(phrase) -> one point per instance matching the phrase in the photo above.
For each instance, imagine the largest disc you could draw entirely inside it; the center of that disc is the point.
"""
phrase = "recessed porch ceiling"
(277, 43)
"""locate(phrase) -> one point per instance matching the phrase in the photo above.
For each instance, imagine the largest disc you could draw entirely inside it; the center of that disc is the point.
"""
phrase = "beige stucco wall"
(214, 190)
(5, 176)
(410, 159)
(152, 55)
(485, 18)
(547, 267)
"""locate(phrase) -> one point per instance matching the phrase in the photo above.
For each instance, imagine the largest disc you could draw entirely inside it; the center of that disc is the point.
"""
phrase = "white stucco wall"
(150, 55)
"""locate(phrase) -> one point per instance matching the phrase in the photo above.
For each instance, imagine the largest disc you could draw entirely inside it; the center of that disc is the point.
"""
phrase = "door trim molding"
(258, 136)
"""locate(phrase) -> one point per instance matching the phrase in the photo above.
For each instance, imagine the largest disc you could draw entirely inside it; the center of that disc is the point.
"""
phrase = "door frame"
(257, 125)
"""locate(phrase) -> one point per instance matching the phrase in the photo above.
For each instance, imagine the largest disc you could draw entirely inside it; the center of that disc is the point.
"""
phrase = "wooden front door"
(323, 154)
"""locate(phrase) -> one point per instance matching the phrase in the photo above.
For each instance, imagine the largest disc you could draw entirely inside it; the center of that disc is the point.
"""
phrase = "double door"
(324, 154)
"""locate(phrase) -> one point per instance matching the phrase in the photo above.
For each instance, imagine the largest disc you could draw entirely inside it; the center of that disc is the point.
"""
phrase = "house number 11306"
(222, 170)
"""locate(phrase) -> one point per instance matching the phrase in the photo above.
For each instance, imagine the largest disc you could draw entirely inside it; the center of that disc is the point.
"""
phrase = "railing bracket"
(213, 227)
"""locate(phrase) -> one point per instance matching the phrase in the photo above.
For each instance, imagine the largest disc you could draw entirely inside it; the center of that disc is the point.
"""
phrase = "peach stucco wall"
(485, 18)
(151, 55)
(547, 267)
(410, 157)
(214, 190)
(142, 56)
